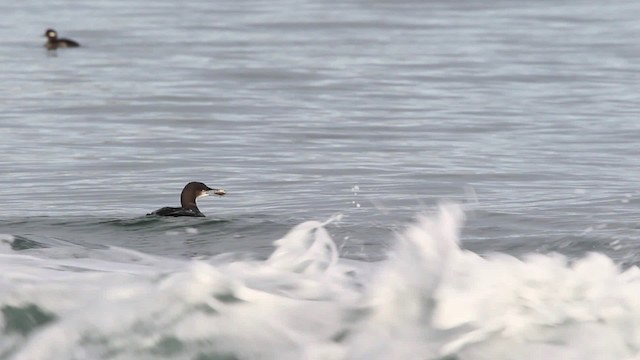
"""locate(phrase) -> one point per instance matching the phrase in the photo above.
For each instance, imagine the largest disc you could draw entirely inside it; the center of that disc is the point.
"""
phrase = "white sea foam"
(428, 300)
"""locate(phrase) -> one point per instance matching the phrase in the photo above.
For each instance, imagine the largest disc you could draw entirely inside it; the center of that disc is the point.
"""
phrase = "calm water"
(526, 114)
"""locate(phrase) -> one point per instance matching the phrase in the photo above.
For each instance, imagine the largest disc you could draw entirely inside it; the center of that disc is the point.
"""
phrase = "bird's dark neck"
(191, 205)
(188, 201)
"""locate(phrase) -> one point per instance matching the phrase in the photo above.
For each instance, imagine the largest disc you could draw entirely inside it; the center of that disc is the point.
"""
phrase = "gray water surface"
(525, 112)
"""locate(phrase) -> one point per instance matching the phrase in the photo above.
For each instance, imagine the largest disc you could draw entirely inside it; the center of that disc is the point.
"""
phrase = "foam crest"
(540, 301)
(307, 248)
(429, 298)
(401, 294)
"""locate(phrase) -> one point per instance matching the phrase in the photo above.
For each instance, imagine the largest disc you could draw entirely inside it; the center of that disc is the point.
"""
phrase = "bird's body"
(53, 42)
(190, 193)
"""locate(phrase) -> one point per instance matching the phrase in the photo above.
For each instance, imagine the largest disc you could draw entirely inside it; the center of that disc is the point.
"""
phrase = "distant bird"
(190, 193)
(53, 42)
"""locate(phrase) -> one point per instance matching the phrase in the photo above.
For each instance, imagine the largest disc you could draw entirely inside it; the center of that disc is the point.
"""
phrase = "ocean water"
(405, 180)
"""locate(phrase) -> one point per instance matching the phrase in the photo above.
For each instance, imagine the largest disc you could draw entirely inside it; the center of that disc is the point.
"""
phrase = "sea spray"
(429, 299)
(400, 297)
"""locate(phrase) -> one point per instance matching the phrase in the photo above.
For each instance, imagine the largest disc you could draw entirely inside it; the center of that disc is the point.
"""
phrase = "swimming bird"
(190, 193)
(53, 42)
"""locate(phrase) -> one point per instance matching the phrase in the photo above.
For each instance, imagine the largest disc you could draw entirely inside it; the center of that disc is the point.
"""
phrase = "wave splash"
(428, 300)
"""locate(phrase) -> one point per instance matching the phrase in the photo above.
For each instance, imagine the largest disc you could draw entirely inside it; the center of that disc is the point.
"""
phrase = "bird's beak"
(219, 192)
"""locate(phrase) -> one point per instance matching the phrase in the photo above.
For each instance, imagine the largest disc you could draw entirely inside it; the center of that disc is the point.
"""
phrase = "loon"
(53, 42)
(190, 193)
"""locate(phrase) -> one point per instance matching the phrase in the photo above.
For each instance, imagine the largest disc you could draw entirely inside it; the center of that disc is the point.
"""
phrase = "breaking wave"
(428, 299)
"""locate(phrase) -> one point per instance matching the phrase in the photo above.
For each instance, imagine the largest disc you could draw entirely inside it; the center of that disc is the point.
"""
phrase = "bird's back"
(177, 211)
